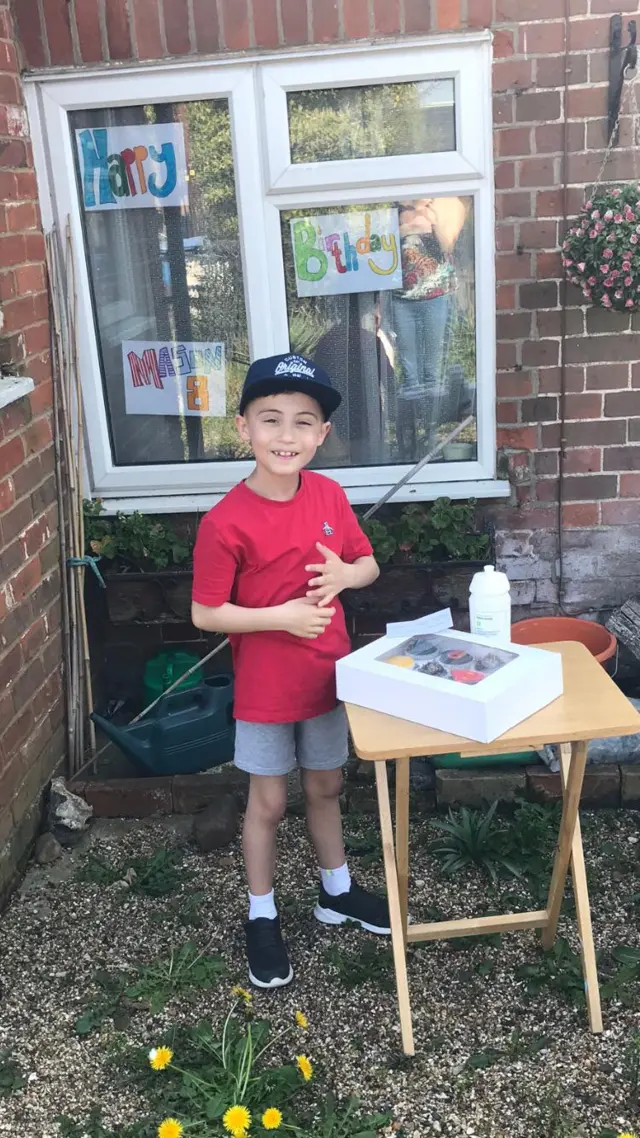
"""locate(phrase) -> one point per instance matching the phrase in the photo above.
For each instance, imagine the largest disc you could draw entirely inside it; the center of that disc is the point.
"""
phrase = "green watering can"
(188, 731)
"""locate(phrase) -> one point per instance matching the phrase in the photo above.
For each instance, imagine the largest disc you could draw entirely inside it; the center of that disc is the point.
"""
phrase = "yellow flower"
(272, 1119)
(626, 1136)
(170, 1128)
(236, 1119)
(160, 1057)
(242, 994)
(302, 1020)
(304, 1067)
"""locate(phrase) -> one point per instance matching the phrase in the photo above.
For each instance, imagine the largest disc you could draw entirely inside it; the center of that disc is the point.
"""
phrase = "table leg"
(395, 912)
(570, 806)
(583, 911)
(402, 837)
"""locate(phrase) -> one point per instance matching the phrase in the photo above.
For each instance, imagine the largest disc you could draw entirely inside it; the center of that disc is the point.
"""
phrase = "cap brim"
(328, 398)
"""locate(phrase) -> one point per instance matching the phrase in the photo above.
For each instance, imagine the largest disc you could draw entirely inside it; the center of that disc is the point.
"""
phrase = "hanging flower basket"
(601, 252)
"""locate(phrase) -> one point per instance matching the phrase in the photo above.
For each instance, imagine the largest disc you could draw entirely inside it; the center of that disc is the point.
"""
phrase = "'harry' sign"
(132, 167)
(347, 252)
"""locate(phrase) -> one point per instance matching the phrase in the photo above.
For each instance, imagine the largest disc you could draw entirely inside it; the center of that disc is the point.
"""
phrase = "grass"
(369, 964)
(155, 876)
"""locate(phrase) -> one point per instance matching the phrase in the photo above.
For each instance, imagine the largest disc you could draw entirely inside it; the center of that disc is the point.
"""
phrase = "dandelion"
(160, 1057)
(170, 1128)
(272, 1119)
(304, 1066)
(236, 1120)
(242, 994)
(626, 1135)
(302, 1020)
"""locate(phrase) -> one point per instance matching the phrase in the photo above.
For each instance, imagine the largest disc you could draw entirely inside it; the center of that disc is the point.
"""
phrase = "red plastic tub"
(548, 629)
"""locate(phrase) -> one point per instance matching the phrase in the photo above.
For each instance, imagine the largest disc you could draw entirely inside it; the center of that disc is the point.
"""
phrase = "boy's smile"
(284, 432)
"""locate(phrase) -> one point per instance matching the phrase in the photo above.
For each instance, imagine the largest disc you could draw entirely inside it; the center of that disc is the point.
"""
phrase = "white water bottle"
(490, 605)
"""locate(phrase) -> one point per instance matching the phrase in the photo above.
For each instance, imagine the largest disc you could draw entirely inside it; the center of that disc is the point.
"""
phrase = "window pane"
(157, 189)
(372, 122)
(398, 339)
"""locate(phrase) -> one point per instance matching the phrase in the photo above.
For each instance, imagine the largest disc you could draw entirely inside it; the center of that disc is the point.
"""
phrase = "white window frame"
(256, 89)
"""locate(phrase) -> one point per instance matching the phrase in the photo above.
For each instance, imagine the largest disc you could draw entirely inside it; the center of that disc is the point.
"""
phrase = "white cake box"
(465, 685)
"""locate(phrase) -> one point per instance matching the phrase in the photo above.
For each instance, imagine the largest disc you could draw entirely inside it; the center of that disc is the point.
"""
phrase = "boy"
(269, 563)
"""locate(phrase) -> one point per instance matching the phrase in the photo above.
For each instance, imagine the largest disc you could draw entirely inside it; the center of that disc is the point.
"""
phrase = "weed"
(518, 1047)
(154, 876)
(367, 847)
(370, 963)
(93, 1127)
(187, 911)
(559, 969)
(342, 1120)
(556, 1120)
(632, 1070)
(472, 838)
(11, 1077)
(622, 983)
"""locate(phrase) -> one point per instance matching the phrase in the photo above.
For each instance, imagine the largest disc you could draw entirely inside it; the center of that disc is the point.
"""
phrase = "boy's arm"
(334, 575)
(300, 617)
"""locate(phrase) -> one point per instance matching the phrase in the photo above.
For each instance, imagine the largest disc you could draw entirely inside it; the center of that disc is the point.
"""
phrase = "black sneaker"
(365, 909)
(268, 961)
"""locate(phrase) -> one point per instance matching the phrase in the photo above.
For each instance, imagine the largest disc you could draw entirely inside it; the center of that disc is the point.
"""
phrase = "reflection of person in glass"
(429, 230)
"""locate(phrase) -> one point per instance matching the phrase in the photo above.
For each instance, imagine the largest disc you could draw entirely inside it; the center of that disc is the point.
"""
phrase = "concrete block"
(130, 798)
(547, 592)
(631, 786)
(479, 787)
(513, 544)
(527, 568)
(523, 592)
(193, 792)
(601, 786)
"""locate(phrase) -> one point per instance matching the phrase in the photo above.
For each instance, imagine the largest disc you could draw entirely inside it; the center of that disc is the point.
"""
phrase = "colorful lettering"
(118, 176)
(144, 369)
(198, 393)
(114, 168)
(389, 244)
(165, 363)
(363, 244)
(306, 252)
(94, 149)
(166, 156)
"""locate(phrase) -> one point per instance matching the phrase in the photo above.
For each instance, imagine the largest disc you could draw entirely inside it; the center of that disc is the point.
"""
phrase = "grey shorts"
(319, 744)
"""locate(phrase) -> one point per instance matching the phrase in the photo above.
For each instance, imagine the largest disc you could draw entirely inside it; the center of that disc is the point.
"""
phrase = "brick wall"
(31, 706)
(601, 491)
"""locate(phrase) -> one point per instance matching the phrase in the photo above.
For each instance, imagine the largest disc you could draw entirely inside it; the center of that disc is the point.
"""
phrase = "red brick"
(11, 455)
(30, 32)
(596, 432)
(386, 16)
(518, 438)
(12, 774)
(265, 24)
(536, 106)
(15, 521)
(447, 15)
(630, 485)
(21, 216)
(546, 463)
(545, 38)
(176, 24)
(479, 13)
(515, 385)
(505, 297)
(88, 28)
(513, 266)
(596, 349)
(549, 202)
(620, 513)
(635, 375)
(513, 325)
(505, 175)
(29, 278)
(580, 514)
(26, 186)
(516, 204)
(7, 286)
(503, 109)
(38, 436)
(548, 265)
(7, 495)
(9, 91)
(540, 353)
(607, 377)
(56, 16)
(583, 460)
(536, 172)
(36, 338)
(507, 413)
(118, 37)
(356, 17)
(34, 247)
(550, 380)
(550, 69)
(514, 141)
(622, 458)
(146, 22)
(598, 66)
(325, 21)
(13, 153)
(41, 399)
(587, 102)
(506, 240)
(294, 21)
(510, 73)
(503, 44)
(587, 406)
(586, 35)
(539, 234)
(547, 490)
(417, 16)
(26, 580)
(550, 137)
(35, 536)
(622, 403)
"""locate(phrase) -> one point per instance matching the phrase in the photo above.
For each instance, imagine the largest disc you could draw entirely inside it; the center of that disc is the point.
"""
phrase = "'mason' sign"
(174, 378)
(132, 167)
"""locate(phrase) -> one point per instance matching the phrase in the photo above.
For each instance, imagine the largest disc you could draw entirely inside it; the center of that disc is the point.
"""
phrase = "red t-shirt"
(252, 552)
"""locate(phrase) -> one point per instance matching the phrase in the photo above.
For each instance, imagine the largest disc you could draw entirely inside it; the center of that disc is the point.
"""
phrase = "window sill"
(358, 496)
(13, 388)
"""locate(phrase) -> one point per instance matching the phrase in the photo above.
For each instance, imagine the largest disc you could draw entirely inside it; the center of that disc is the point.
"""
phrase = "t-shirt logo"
(327, 529)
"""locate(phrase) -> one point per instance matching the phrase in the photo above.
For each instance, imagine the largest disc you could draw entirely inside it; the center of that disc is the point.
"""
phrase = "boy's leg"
(322, 748)
(266, 751)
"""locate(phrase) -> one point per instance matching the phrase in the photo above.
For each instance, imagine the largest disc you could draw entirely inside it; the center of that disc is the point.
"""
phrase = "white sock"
(336, 881)
(262, 905)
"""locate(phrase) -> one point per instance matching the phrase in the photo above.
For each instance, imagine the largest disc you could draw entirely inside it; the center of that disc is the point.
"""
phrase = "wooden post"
(395, 912)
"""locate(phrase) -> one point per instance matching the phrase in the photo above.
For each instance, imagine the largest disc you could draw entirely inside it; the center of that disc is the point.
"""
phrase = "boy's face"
(284, 431)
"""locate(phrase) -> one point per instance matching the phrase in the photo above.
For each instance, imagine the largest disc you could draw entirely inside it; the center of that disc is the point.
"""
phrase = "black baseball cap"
(274, 374)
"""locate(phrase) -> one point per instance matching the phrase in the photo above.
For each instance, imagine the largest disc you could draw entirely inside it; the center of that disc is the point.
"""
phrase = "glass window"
(383, 296)
(372, 122)
(167, 279)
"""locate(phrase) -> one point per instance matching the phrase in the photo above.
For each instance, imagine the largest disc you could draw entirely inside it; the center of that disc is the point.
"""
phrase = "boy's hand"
(302, 617)
(333, 577)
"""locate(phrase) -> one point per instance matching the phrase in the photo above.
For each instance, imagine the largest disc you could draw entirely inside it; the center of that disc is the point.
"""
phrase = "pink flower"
(616, 193)
(629, 304)
(565, 244)
(608, 254)
(592, 234)
(626, 266)
(606, 300)
(618, 294)
(592, 281)
(595, 215)
(634, 239)
(608, 215)
(586, 292)
(566, 261)
(617, 218)
(581, 267)
(598, 227)
(628, 281)
(604, 269)
(608, 282)
(587, 205)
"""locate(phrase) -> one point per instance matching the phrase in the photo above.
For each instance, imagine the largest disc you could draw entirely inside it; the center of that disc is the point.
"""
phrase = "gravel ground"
(58, 930)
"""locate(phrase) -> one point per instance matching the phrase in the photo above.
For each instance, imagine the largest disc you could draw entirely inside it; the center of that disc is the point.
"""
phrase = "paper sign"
(434, 622)
(173, 378)
(132, 167)
(347, 252)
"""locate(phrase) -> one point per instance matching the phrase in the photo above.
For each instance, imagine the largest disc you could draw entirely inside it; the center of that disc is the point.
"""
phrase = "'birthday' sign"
(132, 167)
(173, 378)
(347, 252)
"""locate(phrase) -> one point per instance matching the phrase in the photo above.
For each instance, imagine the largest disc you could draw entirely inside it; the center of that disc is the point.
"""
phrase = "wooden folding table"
(592, 707)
